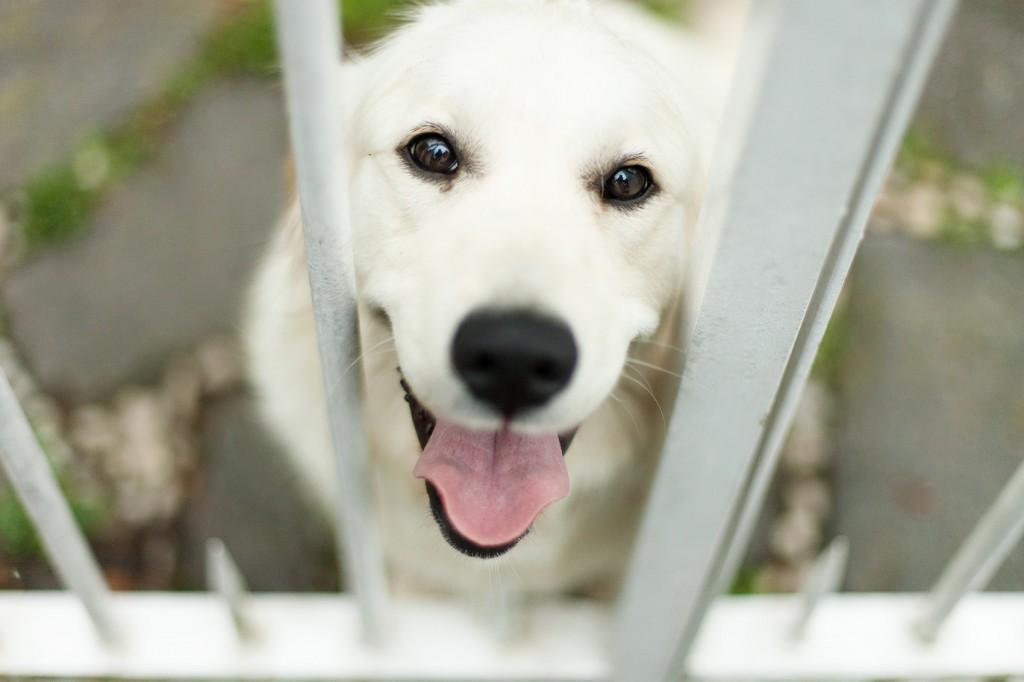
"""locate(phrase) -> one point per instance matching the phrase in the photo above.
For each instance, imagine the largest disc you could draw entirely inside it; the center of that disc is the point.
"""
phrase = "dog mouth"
(486, 489)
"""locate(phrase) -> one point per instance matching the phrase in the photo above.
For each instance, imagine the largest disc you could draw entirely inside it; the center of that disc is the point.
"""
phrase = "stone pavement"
(249, 497)
(68, 68)
(166, 257)
(973, 101)
(930, 408)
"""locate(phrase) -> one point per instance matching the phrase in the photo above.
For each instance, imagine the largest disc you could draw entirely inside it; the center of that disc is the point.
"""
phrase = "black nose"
(513, 360)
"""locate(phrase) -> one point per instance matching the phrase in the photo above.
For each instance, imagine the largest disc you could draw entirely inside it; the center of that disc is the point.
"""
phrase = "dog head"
(523, 176)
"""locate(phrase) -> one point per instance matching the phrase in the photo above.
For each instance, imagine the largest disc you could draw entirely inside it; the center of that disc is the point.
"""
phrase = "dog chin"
(466, 527)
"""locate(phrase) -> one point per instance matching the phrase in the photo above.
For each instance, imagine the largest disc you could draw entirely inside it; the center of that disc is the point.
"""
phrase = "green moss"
(18, 538)
(1005, 182)
(244, 45)
(745, 582)
(55, 207)
(368, 20)
(918, 150)
(960, 232)
(674, 10)
(828, 361)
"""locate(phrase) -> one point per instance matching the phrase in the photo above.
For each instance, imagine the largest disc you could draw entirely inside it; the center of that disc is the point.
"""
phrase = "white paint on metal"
(859, 637)
(977, 560)
(825, 578)
(905, 91)
(226, 581)
(29, 473)
(191, 636)
(316, 637)
(825, 116)
(309, 36)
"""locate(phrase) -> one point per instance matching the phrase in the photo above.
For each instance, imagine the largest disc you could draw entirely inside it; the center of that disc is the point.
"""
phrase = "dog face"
(522, 179)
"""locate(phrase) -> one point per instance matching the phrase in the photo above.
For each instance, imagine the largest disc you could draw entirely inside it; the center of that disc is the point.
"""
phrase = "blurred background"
(142, 147)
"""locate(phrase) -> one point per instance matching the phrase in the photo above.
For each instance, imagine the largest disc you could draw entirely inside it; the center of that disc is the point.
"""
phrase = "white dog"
(524, 183)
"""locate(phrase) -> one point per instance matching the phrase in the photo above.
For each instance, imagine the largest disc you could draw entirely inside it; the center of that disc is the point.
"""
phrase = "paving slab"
(68, 68)
(249, 497)
(167, 256)
(930, 407)
(972, 103)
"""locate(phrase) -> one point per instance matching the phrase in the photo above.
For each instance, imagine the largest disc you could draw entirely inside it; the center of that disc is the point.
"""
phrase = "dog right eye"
(433, 154)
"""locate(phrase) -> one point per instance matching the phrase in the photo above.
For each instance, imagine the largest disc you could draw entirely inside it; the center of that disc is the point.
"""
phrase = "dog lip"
(423, 421)
(456, 539)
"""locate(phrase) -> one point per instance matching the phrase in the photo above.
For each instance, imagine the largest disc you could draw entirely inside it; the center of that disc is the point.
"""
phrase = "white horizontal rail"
(310, 38)
(29, 473)
(315, 637)
(823, 93)
(177, 636)
(859, 637)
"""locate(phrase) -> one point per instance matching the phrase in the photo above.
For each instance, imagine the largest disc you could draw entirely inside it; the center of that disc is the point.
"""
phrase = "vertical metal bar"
(785, 214)
(226, 580)
(29, 473)
(977, 560)
(932, 28)
(310, 39)
(825, 578)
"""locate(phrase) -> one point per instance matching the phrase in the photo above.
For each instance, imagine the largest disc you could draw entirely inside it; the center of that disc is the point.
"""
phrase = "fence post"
(309, 33)
(823, 98)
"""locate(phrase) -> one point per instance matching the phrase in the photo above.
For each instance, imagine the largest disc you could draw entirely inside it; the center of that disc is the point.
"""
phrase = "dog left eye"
(628, 183)
(432, 153)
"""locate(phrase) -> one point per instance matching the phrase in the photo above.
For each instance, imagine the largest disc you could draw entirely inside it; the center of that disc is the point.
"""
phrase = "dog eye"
(627, 184)
(432, 153)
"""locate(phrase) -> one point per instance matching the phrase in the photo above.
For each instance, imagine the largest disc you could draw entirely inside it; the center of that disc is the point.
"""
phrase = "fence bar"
(785, 212)
(932, 28)
(858, 637)
(310, 38)
(226, 580)
(825, 578)
(999, 531)
(316, 637)
(301, 637)
(29, 473)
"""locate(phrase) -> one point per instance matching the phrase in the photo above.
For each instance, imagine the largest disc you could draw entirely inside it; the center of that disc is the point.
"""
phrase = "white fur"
(542, 93)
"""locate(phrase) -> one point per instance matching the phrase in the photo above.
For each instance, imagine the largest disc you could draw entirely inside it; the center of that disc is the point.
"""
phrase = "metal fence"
(825, 93)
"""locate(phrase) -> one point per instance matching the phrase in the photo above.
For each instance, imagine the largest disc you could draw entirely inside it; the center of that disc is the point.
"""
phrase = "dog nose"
(513, 360)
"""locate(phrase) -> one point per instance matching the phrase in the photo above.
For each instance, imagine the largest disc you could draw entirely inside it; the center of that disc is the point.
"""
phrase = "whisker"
(650, 393)
(639, 375)
(660, 344)
(629, 414)
(651, 365)
(362, 355)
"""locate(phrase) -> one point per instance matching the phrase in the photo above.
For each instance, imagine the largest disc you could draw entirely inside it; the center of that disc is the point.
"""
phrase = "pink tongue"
(493, 484)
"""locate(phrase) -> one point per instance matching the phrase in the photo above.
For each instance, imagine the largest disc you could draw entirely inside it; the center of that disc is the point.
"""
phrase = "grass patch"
(745, 582)
(1005, 182)
(368, 20)
(18, 538)
(55, 206)
(965, 233)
